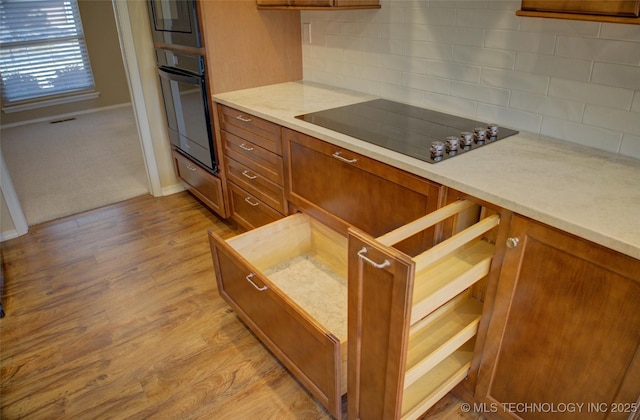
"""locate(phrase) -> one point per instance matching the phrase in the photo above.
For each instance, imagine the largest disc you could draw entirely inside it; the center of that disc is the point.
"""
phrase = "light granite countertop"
(589, 193)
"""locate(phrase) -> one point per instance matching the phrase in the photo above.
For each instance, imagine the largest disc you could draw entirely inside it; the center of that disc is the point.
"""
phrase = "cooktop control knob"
(466, 139)
(437, 150)
(451, 143)
(492, 132)
(479, 135)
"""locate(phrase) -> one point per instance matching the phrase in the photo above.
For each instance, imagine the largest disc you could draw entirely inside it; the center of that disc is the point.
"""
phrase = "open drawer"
(287, 281)
(413, 318)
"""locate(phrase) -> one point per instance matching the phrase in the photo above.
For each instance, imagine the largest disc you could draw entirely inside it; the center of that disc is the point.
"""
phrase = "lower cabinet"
(564, 329)
(413, 320)
(287, 282)
(204, 185)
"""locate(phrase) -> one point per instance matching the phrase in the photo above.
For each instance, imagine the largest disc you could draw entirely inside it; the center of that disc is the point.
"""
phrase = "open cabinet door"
(383, 278)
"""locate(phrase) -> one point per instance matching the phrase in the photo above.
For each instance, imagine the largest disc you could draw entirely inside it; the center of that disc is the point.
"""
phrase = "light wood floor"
(114, 313)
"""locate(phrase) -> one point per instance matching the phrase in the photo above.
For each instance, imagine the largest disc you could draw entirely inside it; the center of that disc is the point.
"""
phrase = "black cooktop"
(405, 129)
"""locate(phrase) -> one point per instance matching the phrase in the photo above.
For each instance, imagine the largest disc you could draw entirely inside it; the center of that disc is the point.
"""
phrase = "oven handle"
(179, 76)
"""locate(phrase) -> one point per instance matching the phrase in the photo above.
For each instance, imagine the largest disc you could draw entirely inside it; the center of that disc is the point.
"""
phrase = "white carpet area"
(68, 167)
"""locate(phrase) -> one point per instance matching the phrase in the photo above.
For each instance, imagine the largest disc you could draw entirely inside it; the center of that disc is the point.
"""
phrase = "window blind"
(42, 49)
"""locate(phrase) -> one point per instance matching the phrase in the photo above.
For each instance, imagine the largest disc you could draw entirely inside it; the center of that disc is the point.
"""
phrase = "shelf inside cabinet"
(437, 336)
(448, 277)
(430, 388)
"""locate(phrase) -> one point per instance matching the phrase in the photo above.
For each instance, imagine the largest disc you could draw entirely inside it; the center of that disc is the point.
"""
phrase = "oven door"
(187, 111)
(175, 22)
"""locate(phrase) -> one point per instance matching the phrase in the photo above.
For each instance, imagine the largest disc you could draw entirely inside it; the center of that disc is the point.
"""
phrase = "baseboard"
(173, 189)
(65, 116)
(5, 236)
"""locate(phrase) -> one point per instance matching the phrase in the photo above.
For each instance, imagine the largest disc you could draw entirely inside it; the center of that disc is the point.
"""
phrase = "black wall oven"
(184, 91)
(175, 22)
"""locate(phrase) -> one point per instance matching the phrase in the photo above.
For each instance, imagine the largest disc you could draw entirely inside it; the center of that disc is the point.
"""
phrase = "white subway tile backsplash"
(547, 105)
(428, 50)
(591, 93)
(495, 19)
(565, 68)
(520, 41)
(575, 80)
(514, 80)
(485, 57)
(599, 138)
(480, 93)
(454, 71)
(600, 116)
(617, 75)
(426, 83)
(610, 51)
(630, 146)
(509, 117)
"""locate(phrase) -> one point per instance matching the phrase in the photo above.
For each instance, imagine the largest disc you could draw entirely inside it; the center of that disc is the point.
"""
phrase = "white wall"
(575, 80)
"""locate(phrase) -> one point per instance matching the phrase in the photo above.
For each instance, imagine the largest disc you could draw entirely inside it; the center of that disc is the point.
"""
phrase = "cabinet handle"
(191, 167)
(248, 175)
(262, 289)
(512, 242)
(248, 200)
(385, 263)
(339, 157)
(241, 118)
(245, 147)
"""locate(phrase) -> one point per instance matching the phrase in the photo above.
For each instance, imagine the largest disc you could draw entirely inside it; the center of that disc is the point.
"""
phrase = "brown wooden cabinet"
(254, 167)
(564, 329)
(342, 188)
(413, 320)
(201, 183)
(621, 11)
(318, 4)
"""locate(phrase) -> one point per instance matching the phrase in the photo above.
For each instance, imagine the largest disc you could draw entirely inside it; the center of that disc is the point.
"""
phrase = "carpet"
(77, 164)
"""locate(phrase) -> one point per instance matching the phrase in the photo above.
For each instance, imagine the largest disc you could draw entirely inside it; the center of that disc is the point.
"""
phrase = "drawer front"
(258, 131)
(203, 184)
(248, 210)
(256, 185)
(343, 189)
(258, 159)
(308, 353)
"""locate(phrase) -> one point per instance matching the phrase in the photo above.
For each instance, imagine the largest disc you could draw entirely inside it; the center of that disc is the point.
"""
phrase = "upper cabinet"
(318, 4)
(617, 11)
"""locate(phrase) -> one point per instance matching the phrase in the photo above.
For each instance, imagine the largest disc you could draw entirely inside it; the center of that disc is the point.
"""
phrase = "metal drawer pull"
(248, 200)
(262, 289)
(385, 263)
(245, 147)
(241, 118)
(247, 174)
(339, 157)
(191, 167)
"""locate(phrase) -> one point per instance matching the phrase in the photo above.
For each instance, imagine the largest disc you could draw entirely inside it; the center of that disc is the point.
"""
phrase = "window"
(42, 50)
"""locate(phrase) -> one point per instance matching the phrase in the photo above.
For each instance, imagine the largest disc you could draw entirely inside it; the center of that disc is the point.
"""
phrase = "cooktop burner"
(421, 133)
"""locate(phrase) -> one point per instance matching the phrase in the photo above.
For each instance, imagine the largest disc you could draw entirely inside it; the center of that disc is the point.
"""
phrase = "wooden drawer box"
(255, 184)
(287, 282)
(204, 185)
(248, 210)
(258, 131)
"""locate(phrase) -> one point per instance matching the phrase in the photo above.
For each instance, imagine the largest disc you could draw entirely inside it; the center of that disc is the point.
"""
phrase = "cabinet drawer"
(204, 185)
(287, 282)
(258, 159)
(258, 131)
(255, 184)
(343, 189)
(249, 211)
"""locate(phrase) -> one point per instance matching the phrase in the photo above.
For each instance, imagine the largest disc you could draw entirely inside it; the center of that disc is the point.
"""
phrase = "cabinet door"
(343, 189)
(565, 327)
(602, 7)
